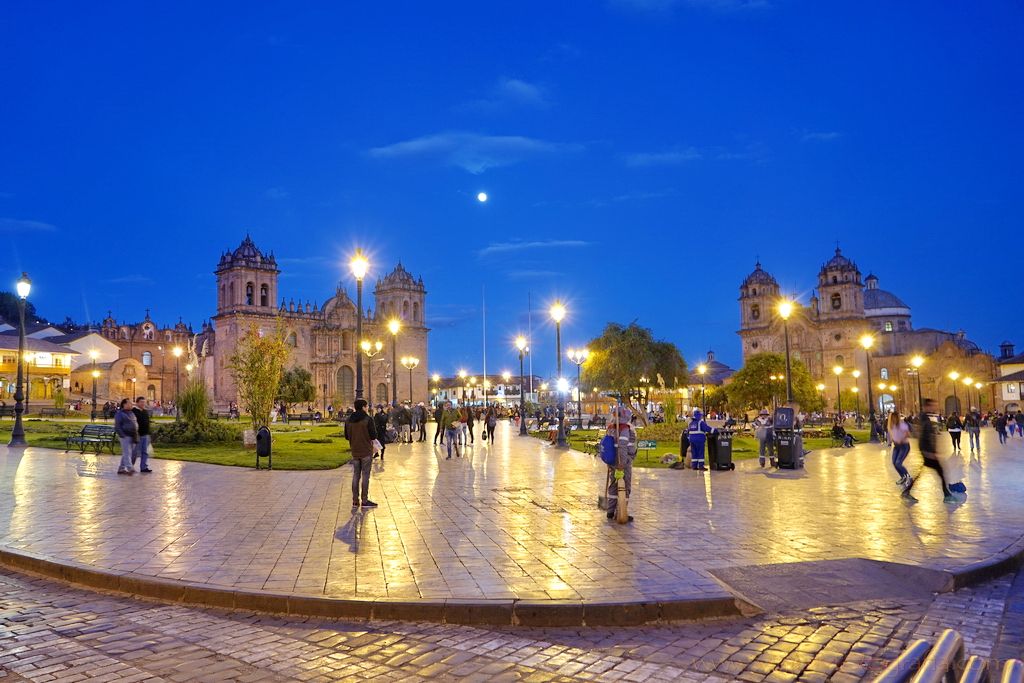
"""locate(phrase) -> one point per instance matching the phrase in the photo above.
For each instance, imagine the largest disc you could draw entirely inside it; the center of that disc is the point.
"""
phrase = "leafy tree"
(752, 387)
(296, 386)
(9, 309)
(850, 400)
(623, 353)
(256, 367)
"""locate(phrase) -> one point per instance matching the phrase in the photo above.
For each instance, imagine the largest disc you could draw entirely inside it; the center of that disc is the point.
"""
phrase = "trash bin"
(263, 447)
(787, 446)
(721, 450)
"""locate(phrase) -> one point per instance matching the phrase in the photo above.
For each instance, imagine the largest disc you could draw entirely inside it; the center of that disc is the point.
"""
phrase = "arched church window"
(416, 311)
(754, 291)
(405, 310)
(147, 358)
(755, 311)
(231, 294)
(885, 373)
(835, 280)
(888, 326)
(837, 301)
(839, 361)
(248, 294)
(264, 296)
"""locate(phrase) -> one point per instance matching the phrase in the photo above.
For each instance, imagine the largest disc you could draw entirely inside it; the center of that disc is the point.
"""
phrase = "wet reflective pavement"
(514, 520)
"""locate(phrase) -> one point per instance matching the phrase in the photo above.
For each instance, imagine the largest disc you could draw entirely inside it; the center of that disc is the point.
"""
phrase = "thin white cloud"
(506, 247)
(472, 152)
(669, 158)
(820, 136)
(512, 92)
(13, 225)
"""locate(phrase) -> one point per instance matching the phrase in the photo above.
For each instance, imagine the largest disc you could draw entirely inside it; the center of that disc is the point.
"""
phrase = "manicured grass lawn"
(743, 447)
(290, 446)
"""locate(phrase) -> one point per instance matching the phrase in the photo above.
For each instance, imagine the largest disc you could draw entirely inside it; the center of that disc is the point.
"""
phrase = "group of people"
(898, 432)
(131, 424)
(456, 425)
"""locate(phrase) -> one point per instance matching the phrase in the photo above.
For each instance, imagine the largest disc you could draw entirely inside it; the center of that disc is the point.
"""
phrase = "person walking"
(421, 411)
(470, 421)
(490, 424)
(380, 424)
(927, 442)
(765, 438)
(972, 424)
(438, 431)
(450, 423)
(1012, 425)
(141, 412)
(954, 426)
(899, 437)
(620, 428)
(361, 431)
(127, 429)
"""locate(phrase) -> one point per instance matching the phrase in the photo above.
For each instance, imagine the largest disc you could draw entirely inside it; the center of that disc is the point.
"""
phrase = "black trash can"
(721, 452)
(263, 447)
(787, 449)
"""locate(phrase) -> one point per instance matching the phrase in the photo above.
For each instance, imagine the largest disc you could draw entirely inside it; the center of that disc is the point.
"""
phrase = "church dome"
(247, 255)
(879, 298)
(399, 278)
(839, 262)
(759, 277)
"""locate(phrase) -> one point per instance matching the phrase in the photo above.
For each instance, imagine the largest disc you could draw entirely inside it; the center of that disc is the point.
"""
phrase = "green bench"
(94, 437)
(53, 412)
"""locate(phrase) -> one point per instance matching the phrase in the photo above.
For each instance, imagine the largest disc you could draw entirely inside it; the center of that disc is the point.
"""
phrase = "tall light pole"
(785, 309)
(969, 382)
(867, 341)
(410, 363)
(856, 397)
(558, 314)
(394, 325)
(359, 266)
(702, 370)
(437, 388)
(371, 349)
(838, 370)
(579, 357)
(523, 350)
(821, 390)
(465, 387)
(892, 390)
(23, 287)
(917, 361)
(977, 385)
(954, 376)
(177, 351)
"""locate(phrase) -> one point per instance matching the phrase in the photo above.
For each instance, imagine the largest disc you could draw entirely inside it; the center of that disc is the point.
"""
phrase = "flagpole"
(483, 309)
(529, 333)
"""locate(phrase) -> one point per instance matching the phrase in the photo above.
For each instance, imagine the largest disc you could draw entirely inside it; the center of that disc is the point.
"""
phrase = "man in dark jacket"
(927, 442)
(141, 411)
(360, 432)
(380, 421)
(438, 413)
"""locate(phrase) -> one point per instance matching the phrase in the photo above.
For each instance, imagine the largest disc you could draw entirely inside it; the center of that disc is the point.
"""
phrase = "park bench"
(96, 437)
(53, 412)
(302, 417)
(6, 411)
(598, 421)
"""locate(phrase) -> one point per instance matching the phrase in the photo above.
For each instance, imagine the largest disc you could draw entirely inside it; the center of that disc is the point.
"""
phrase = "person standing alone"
(927, 442)
(141, 412)
(361, 433)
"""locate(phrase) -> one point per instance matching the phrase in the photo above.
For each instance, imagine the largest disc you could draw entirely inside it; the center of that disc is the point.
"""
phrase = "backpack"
(608, 450)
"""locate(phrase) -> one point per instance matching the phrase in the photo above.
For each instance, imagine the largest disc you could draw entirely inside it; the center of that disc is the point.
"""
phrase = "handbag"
(377, 447)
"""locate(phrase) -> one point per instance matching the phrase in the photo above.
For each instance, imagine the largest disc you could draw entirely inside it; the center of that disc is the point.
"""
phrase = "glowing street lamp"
(838, 370)
(702, 370)
(821, 390)
(954, 376)
(977, 385)
(523, 350)
(394, 326)
(968, 382)
(371, 349)
(23, 287)
(410, 363)
(867, 341)
(176, 352)
(557, 313)
(856, 396)
(93, 356)
(465, 385)
(359, 264)
(785, 309)
(579, 357)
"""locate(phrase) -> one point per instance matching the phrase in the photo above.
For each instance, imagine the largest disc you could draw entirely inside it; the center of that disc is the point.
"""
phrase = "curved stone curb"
(449, 611)
(991, 567)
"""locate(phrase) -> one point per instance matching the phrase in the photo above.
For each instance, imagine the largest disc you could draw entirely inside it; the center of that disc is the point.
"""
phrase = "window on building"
(835, 280)
(248, 294)
(264, 296)
(888, 326)
(292, 340)
(754, 291)
(58, 361)
(903, 324)
(885, 373)
(755, 311)
(837, 301)
(405, 310)
(837, 336)
(839, 360)
(147, 358)
(416, 311)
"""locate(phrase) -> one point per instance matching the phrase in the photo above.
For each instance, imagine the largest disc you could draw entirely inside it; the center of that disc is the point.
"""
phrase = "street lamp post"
(977, 385)
(93, 355)
(523, 350)
(867, 341)
(917, 361)
(785, 310)
(856, 390)
(856, 397)
(838, 370)
(954, 376)
(773, 379)
(557, 314)
(177, 351)
(394, 325)
(821, 390)
(702, 370)
(968, 382)
(359, 265)
(465, 387)
(579, 357)
(23, 287)
(410, 363)
(371, 349)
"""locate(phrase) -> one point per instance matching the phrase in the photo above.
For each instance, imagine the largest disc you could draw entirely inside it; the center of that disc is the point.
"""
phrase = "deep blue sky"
(639, 154)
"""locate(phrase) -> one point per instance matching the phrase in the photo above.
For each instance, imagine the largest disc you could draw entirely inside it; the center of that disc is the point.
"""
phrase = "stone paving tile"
(513, 520)
(49, 631)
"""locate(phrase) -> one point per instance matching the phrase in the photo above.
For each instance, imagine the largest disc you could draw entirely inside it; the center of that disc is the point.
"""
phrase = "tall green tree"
(296, 386)
(623, 353)
(256, 366)
(752, 387)
(9, 309)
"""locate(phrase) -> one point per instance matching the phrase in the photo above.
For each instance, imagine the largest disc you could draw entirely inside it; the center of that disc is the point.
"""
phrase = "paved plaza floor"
(516, 520)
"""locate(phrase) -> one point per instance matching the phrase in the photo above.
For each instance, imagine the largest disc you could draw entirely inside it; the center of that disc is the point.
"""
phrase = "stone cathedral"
(322, 338)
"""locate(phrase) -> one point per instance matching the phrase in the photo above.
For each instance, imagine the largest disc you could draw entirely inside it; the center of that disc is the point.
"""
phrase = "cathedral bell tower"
(247, 280)
(840, 289)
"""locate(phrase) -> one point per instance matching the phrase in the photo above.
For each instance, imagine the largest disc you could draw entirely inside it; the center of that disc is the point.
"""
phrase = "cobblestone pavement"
(513, 520)
(50, 632)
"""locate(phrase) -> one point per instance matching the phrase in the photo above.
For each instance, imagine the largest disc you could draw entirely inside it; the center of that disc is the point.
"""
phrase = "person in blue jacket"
(697, 432)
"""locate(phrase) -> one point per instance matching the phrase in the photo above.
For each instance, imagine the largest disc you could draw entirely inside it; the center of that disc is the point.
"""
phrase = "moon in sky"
(481, 197)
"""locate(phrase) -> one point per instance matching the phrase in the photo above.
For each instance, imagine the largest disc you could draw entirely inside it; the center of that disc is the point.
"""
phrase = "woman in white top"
(899, 437)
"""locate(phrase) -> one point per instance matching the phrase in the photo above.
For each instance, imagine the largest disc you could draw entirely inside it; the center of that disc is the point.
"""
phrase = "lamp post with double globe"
(867, 341)
(371, 349)
(838, 370)
(785, 309)
(359, 265)
(579, 357)
(394, 325)
(558, 314)
(523, 350)
(410, 363)
(23, 287)
(954, 376)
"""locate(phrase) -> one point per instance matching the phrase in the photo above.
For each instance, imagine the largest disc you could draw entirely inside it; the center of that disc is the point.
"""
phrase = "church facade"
(824, 333)
(322, 338)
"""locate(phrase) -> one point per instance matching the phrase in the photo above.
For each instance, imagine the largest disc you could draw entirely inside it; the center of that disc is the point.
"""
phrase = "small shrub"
(194, 402)
(191, 433)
